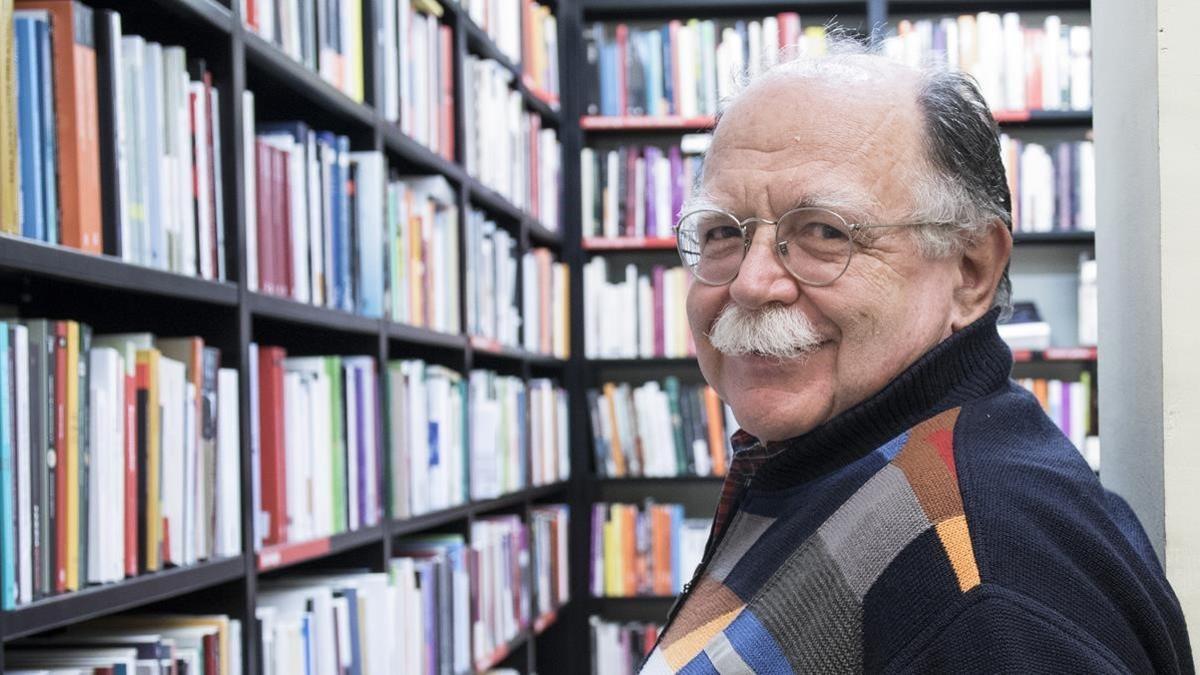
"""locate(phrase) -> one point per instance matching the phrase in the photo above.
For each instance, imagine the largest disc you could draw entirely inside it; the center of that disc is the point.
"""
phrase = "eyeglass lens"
(814, 245)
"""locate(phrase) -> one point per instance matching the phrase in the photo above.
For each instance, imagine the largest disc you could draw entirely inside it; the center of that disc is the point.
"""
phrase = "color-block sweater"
(943, 525)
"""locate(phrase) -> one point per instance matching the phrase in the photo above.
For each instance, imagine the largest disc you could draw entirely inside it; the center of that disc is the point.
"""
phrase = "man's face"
(857, 148)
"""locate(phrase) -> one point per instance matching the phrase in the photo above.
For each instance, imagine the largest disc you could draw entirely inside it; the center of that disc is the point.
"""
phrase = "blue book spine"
(652, 66)
(346, 296)
(336, 187)
(668, 71)
(608, 80)
(29, 124)
(8, 535)
(370, 238)
(49, 133)
(306, 637)
(351, 595)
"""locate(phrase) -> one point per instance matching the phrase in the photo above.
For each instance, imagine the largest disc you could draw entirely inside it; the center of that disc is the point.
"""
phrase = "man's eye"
(724, 232)
(825, 231)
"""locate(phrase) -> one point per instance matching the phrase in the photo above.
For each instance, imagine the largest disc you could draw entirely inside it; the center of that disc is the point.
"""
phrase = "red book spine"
(131, 477)
(266, 249)
(60, 445)
(274, 468)
(622, 51)
(283, 220)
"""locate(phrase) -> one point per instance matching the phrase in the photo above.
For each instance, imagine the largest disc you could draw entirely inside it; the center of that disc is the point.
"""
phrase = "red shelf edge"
(604, 122)
(285, 554)
(1055, 354)
(628, 243)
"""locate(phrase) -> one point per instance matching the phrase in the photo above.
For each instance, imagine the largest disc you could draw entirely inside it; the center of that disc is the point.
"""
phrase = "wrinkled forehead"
(849, 130)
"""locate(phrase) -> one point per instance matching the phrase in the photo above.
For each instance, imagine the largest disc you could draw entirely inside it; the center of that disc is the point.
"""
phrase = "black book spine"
(37, 453)
(51, 548)
(108, 98)
(686, 393)
(593, 39)
(143, 439)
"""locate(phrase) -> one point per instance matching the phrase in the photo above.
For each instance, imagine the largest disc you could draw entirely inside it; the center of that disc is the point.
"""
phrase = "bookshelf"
(608, 132)
(46, 280)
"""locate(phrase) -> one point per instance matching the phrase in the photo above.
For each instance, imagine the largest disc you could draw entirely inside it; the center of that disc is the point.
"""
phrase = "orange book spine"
(1041, 389)
(610, 398)
(716, 430)
(629, 548)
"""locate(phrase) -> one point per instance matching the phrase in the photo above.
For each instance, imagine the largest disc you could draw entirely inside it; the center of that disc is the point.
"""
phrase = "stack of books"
(422, 278)
(81, 171)
(659, 430)
(315, 444)
(491, 268)
(1020, 63)
(1053, 188)
(683, 68)
(644, 551)
(133, 643)
(548, 525)
(119, 455)
(506, 147)
(316, 232)
(438, 577)
(546, 303)
(427, 438)
(499, 434)
(638, 191)
(417, 60)
(325, 37)
(652, 304)
(619, 648)
(550, 454)
(539, 60)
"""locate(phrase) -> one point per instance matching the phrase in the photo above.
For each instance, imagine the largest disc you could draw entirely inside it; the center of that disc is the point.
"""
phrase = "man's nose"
(762, 278)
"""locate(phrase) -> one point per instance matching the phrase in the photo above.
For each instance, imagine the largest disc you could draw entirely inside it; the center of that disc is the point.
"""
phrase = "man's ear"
(979, 271)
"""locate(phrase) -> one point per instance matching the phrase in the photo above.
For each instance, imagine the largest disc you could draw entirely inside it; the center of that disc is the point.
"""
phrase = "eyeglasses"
(813, 244)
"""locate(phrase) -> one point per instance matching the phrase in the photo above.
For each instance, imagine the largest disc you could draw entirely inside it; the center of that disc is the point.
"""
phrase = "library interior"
(360, 337)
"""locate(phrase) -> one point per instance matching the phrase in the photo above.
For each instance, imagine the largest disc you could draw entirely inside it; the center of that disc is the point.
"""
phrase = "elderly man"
(895, 502)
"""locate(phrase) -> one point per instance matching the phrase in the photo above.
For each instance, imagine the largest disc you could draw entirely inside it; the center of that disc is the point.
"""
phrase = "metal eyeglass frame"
(780, 247)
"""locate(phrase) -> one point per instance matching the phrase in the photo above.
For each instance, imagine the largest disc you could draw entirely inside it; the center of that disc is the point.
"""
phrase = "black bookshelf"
(700, 494)
(46, 280)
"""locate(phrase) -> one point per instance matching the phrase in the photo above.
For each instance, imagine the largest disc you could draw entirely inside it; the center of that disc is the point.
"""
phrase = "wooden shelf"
(64, 264)
(96, 601)
(601, 123)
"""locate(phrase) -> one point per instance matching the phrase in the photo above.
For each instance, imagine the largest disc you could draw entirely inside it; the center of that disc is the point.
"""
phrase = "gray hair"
(963, 191)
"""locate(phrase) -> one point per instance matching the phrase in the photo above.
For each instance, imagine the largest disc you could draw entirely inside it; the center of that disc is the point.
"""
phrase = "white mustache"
(773, 331)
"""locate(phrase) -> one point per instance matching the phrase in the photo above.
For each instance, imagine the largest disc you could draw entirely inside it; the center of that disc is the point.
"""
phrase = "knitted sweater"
(943, 525)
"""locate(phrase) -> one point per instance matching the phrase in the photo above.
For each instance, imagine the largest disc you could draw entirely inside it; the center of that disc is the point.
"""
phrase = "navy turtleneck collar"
(967, 365)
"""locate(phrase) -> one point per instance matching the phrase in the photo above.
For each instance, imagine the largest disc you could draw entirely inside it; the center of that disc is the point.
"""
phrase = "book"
(324, 37)
(1053, 187)
(668, 174)
(10, 209)
(499, 437)
(620, 647)
(418, 74)
(655, 302)
(545, 303)
(549, 451)
(422, 231)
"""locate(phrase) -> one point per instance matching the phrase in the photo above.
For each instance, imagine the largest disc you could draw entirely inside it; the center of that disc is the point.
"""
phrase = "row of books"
(119, 455)
(659, 429)
(316, 444)
(418, 72)
(427, 406)
(549, 439)
(684, 68)
(546, 303)
(1021, 63)
(1053, 188)
(491, 267)
(83, 173)
(649, 549)
(637, 191)
(330, 228)
(498, 409)
(1067, 403)
(501, 21)
(539, 58)
(445, 604)
(549, 556)
(620, 647)
(134, 643)
(326, 37)
(652, 304)
(506, 147)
